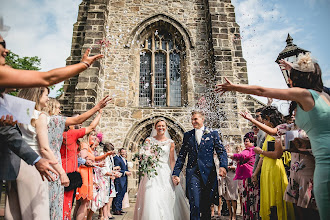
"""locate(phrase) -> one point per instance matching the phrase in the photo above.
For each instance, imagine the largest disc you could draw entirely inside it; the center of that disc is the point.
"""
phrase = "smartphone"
(271, 146)
(291, 145)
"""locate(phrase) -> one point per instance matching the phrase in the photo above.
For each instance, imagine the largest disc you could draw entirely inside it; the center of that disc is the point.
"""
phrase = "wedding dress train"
(157, 197)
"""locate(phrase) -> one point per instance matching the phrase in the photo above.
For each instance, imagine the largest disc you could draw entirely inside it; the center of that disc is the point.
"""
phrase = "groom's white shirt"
(199, 134)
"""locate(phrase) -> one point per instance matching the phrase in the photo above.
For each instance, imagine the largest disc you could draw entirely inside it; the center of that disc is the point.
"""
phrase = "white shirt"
(199, 134)
(124, 160)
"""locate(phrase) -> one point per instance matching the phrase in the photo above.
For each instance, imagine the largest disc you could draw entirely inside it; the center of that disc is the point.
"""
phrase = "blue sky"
(44, 28)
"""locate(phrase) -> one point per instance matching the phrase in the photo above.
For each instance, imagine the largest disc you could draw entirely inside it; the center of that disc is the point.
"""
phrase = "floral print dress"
(99, 188)
(56, 126)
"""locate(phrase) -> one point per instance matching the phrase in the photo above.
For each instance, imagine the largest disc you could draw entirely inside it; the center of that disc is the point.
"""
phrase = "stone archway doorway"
(138, 134)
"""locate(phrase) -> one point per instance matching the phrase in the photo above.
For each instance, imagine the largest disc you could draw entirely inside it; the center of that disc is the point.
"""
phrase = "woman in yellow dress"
(273, 179)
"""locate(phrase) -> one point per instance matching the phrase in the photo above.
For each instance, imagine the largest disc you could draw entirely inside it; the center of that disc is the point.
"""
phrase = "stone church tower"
(162, 59)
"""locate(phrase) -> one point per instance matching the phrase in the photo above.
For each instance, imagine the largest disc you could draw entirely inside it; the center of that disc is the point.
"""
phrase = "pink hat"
(99, 136)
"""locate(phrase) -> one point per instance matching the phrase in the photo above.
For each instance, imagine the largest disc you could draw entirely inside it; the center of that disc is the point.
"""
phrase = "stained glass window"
(145, 79)
(175, 80)
(160, 79)
(160, 70)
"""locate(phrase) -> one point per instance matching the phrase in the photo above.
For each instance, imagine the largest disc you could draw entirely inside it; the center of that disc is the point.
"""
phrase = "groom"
(202, 184)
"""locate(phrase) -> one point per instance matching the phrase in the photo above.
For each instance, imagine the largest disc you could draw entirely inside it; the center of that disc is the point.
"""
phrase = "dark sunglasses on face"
(3, 43)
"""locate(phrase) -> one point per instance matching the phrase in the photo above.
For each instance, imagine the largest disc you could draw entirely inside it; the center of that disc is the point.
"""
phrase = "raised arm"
(262, 126)
(13, 78)
(46, 152)
(299, 95)
(94, 123)
(83, 117)
(242, 157)
(102, 157)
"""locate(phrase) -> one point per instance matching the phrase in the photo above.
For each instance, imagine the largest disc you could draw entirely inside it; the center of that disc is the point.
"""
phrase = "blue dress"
(316, 123)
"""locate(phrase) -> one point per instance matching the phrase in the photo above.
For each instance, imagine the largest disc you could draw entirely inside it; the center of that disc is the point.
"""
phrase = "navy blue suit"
(201, 176)
(120, 183)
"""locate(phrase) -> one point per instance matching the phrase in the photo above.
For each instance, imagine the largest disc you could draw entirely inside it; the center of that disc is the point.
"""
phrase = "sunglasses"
(3, 43)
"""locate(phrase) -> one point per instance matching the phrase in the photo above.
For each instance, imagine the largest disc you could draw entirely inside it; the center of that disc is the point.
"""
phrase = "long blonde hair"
(33, 94)
(51, 106)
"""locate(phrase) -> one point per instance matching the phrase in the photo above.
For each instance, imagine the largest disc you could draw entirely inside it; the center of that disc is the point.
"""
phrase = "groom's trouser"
(118, 200)
(199, 197)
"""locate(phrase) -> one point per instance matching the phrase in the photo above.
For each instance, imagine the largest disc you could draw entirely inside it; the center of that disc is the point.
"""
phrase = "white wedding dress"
(157, 197)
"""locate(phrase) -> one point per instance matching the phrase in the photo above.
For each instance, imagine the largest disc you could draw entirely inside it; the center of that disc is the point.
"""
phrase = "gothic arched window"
(160, 70)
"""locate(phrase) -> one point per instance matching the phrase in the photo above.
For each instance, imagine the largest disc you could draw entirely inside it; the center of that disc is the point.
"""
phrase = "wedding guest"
(120, 183)
(29, 182)
(220, 186)
(260, 136)
(245, 161)
(100, 191)
(55, 131)
(14, 78)
(313, 115)
(273, 179)
(230, 190)
(85, 192)
(109, 175)
(299, 190)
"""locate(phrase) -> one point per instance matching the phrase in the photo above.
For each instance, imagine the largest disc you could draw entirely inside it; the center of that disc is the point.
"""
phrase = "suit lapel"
(193, 139)
(204, 136)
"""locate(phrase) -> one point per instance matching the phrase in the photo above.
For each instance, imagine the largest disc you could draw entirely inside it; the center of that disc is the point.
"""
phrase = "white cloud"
(41, 28)
(262, 41)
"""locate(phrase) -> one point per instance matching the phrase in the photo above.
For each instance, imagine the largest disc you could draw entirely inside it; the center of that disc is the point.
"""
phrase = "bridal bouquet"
(148, 158)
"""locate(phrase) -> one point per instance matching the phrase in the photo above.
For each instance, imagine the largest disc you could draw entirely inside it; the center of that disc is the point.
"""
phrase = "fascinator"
(305, 63)
(100, 136)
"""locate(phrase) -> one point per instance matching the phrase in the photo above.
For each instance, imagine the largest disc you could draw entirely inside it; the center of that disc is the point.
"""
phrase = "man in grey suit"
(13, 148)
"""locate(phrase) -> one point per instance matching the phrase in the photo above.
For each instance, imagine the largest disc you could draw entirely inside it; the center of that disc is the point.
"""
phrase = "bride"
(157, 197)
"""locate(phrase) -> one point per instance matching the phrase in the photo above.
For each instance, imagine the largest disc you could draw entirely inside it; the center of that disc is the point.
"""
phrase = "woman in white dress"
(157, 197)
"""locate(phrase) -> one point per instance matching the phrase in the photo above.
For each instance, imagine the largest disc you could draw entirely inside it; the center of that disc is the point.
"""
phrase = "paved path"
(127, 216)
(130, 212)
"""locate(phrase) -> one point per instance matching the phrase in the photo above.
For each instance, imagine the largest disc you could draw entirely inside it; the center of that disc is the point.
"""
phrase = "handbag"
(75, 181)
(74, 177)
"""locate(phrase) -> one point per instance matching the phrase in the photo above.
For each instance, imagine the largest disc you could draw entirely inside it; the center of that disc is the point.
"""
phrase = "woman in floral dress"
(56, 125)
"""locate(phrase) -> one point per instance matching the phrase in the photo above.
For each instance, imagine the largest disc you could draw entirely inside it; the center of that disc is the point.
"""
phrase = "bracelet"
(262, 152)
(87, 64)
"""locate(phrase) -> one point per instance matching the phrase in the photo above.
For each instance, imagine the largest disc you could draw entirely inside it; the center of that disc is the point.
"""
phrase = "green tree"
(24, 63)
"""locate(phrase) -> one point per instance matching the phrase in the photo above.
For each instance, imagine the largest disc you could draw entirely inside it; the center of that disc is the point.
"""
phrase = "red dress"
(70, 163)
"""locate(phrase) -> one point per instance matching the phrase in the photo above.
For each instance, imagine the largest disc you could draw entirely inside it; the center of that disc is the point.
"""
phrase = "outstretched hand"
(285, 65)
(92, 59)
(246, 115)
(222, 88)
(8, 121)
(104, 102)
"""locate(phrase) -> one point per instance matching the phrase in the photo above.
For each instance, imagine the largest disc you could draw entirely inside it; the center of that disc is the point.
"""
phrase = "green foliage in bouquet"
(148, 158)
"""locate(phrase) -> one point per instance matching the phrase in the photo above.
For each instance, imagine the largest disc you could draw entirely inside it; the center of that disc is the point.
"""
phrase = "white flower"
(207, 139)
(206, 131)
